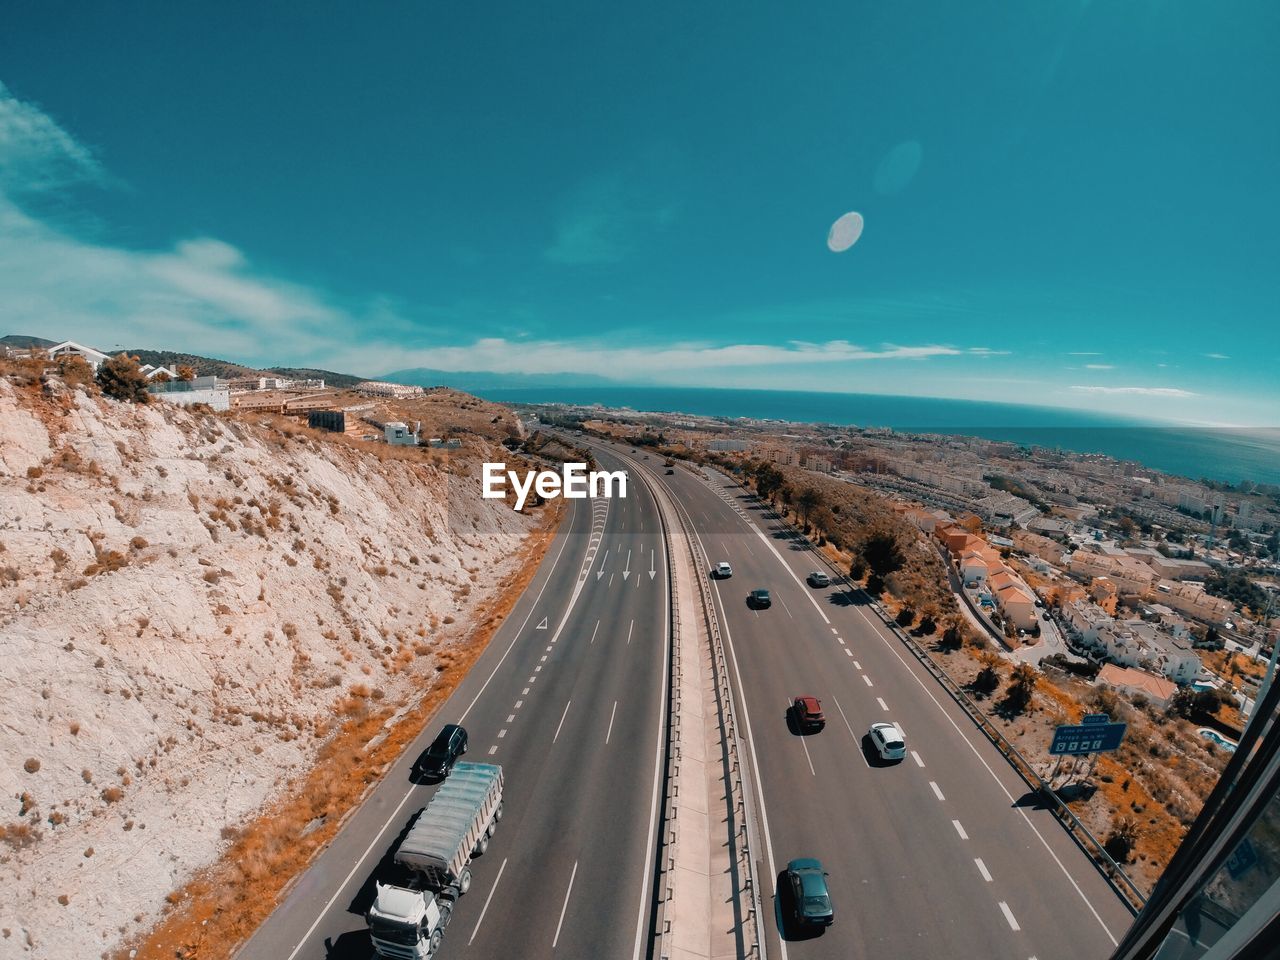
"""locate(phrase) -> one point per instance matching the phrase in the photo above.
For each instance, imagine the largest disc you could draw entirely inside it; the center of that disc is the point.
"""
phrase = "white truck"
(407, 922)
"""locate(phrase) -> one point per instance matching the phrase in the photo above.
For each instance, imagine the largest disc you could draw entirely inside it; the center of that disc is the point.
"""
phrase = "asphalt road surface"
(942, 854)
(569, 698)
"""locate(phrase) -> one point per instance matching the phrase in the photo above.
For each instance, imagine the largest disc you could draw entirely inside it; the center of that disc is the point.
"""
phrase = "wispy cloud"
(36, 153)
(608, 217)
(1167, 392)
(1084, 353)
(1099, 366)
(987, 352)
(1217, 356)
(646, 362)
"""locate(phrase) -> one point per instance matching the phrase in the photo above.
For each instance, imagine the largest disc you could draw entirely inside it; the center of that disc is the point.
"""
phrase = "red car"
(808, 713)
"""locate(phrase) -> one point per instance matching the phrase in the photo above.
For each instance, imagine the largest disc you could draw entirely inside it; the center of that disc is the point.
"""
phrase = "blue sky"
(1065, 204)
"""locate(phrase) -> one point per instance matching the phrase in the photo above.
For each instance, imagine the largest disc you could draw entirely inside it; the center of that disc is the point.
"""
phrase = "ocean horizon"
(1229, 455)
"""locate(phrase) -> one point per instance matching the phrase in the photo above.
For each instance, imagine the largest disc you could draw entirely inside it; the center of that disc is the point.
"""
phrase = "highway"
(939, 855)
(570, 699)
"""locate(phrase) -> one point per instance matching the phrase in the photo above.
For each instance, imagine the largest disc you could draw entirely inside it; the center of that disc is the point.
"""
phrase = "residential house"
(1035, 545)
(1018, 604)
(1086, 619)
(1132, 683)
(69, 348)
(1136, 643)
(1191, 599)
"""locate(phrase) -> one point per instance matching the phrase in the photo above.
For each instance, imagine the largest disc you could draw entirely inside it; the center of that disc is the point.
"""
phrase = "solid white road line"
(561, 723)
(659, 747)
(396, 812)
(566, 905)
(937, 791)
(960, 829)
(883, 706)
(593, 632)
(629, 629)
(889, 643)
(485, 908)
(856, 741)
(982, 869)
(915, 756)
(751, 743)
(1008, 915)
(609, 732)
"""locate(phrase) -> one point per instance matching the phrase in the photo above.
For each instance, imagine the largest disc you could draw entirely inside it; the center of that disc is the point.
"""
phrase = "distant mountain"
(469, 381)
(22, 342)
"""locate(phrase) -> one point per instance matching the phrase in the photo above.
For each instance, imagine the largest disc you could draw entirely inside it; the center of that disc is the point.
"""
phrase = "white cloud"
(499, 355)
(1098, 366)
(1176, 393)
(987, 352)
(1217, 356)
(1084, 353)
(36, 154)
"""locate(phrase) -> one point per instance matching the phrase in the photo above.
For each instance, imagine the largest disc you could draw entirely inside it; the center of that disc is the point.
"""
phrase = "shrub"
(121, 378)
(906, 616)
(987, 681)
(952, 637)
(32, 765)
(928, 626)
(1124, 835)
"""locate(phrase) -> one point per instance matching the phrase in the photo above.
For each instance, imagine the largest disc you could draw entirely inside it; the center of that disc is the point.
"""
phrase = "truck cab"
(408, 924)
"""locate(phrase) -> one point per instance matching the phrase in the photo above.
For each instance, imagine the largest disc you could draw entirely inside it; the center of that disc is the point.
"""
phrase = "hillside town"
(1160, 581)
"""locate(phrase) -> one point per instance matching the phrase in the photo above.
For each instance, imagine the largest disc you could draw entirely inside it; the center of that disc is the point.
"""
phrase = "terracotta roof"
(1158, 687)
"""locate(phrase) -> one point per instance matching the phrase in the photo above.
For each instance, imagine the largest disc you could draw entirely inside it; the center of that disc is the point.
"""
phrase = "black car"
(438, 759)
(759, 599)
(670, 471)
(810, 900)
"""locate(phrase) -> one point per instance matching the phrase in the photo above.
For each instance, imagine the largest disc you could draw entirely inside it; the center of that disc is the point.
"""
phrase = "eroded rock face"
(184, 600)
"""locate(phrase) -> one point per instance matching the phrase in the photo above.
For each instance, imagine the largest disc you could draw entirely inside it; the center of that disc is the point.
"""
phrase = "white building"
(381, 388)
(1136, 643)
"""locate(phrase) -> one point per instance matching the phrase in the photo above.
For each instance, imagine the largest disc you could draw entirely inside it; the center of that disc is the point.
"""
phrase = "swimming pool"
(1223, 742)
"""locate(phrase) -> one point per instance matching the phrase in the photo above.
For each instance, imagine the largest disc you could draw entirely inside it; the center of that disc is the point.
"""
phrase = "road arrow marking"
(626, 572)
(652, 572)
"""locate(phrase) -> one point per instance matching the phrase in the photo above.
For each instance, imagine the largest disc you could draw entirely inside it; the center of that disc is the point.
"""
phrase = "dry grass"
(216, 911)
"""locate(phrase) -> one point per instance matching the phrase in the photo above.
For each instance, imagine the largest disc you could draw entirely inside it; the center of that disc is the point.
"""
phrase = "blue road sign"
(1078, 739)
(1096, 718)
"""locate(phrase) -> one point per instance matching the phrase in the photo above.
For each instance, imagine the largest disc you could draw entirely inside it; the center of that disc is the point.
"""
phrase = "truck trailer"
(407, 922)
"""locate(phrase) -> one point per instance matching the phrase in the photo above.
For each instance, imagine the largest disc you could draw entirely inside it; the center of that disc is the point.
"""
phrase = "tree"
(806, 500)
(905, 617)
(122, 378)
(987, 681)
(857, 568)
(952, 638)
(882, 553)
(1022, 682)
(1120, 844)
(186, 372)
(928, 626)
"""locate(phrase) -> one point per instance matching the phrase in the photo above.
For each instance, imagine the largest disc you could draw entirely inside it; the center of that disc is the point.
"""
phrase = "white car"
(889, 740)
(723, 569)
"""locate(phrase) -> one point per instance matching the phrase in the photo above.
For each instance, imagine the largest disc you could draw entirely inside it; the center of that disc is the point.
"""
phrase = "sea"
(1225, 455)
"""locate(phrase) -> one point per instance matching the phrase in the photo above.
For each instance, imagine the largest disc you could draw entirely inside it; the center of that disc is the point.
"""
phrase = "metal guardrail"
(1084, 838)
(743, 805)
(743, 802)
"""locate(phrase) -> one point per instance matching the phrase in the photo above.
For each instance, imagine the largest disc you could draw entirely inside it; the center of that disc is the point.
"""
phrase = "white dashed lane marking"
(561, 723)
(916, 757)
(502, 733)
(867, 680)
(609, 732)
(982, 869)
(1008, 915)
(960, 829)
(856, 664)
(883, 706)
(493, 750)
(937, 791)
